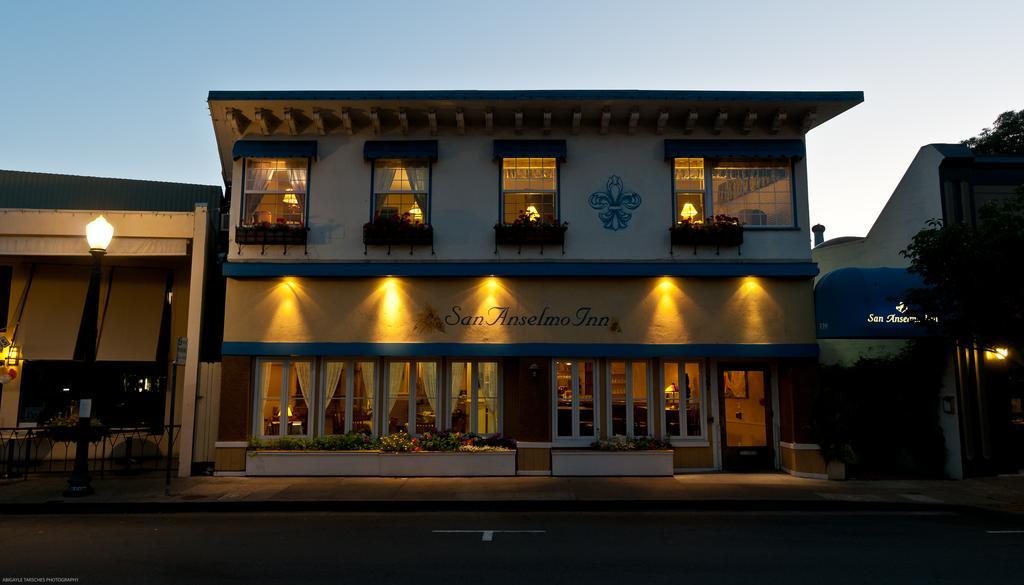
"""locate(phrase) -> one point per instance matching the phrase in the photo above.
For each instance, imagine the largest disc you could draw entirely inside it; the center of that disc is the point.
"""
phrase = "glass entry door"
(746, 418)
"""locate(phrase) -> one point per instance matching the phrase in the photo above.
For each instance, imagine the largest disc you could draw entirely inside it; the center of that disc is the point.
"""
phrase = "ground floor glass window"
(411, 397)
(348, 396)
(473, 397)
(683, 399)
(284, 390)
(574, 399)
(629, 389)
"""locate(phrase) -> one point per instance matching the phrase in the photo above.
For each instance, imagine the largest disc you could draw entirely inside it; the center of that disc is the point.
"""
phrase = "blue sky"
(118, 88)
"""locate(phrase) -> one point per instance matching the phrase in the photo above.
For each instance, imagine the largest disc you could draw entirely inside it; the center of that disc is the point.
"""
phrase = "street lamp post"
(99, 232)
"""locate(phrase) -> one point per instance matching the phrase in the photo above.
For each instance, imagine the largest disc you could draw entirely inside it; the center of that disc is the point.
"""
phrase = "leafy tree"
(1006, 136)
(974, 276)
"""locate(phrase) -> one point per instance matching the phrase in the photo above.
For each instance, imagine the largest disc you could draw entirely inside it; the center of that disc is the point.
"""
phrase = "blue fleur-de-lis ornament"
(615, 204)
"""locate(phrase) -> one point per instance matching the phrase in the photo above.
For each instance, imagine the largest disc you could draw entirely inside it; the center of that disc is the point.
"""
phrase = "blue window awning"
(734, 149)
(374, 149)
(274, 149)
(530, 148)
(866, 303)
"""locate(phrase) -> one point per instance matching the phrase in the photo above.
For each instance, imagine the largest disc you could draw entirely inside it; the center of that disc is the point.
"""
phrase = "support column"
(197, 280)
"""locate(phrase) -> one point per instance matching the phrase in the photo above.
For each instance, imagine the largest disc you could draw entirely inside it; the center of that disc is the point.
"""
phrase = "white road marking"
(488, 535)
(1004, 531)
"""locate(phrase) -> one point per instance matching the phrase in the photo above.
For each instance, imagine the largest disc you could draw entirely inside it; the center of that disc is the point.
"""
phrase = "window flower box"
(397, 231)
(590, 462)
(719, 231)
(268, 234)
(376, 463)
(530, 231)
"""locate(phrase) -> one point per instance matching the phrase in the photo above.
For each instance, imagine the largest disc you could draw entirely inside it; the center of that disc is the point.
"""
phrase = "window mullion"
(681, 376)
(629, 398)
(575, 382)
(474, 391)
(349, 371)
(413, 390)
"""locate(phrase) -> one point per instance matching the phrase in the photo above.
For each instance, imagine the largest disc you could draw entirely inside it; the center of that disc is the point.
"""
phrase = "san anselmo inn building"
(553, 266)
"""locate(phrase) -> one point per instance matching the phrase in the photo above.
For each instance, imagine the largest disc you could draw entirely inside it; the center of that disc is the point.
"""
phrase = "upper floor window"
(401, 187)
(275, 192)
(758, 193)
(529, 186)
(688, 185)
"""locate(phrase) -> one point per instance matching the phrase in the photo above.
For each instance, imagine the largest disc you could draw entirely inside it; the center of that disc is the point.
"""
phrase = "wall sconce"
(13, 355)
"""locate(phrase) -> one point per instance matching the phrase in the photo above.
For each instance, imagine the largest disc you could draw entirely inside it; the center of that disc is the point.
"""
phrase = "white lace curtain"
(333, 374)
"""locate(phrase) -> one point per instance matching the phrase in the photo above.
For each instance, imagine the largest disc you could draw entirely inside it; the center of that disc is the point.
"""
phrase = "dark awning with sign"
(530, 148)
(866, 303)
(374, 149)
(274, 148)
(734, 149)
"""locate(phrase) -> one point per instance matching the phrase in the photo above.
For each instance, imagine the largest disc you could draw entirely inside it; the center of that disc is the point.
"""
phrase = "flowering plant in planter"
(386, 230)
(720, 230)
(530, 228)
(401, 442)
(620, 443)
(267, 233)
(65, 428)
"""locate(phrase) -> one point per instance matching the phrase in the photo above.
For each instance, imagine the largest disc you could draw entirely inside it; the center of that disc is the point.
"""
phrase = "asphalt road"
(570, 548)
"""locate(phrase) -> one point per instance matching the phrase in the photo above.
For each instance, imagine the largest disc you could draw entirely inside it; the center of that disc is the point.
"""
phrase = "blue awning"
(374, 149)
(274, 149)
(734, 149)
(530, 148)
(866, 303)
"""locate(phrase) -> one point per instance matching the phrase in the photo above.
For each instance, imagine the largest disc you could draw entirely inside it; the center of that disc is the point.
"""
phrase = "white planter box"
(635, 463)
(312, 463)
(373, 463)
(447, 464)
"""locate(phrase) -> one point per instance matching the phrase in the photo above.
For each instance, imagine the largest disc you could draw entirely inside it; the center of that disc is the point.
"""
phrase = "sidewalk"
(718, 491)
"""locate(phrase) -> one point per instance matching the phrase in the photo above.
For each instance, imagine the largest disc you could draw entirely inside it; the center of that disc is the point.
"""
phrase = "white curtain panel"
(302, 373)
(332, 373)
(428, 374)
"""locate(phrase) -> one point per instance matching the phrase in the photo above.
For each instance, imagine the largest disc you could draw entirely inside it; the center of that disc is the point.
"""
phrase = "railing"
(119, 451)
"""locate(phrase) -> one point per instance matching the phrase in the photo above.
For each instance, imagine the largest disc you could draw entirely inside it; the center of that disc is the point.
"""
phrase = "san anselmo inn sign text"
(504, 317)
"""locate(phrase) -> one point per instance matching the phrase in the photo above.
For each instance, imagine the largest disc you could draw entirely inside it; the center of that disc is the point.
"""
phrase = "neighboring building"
(553, 337)
(156, 287)
(862, 279)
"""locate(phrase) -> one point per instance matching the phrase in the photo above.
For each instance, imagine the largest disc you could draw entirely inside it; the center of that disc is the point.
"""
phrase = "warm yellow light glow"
(401, 180)
(416, 213)
(290, 199)
(13, 355)
(289, 411)
(532, 213)
(999, 353)
(98, 233)
(689, 211)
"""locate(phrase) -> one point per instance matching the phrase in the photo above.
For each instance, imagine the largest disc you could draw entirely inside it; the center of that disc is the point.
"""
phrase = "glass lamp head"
(98, 233)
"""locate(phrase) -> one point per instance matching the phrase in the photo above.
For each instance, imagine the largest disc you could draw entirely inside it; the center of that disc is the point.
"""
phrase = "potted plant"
(272, 234)
(64, 429)
(529, 228)
(639, 456)
(394, 230)
(720, 230)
